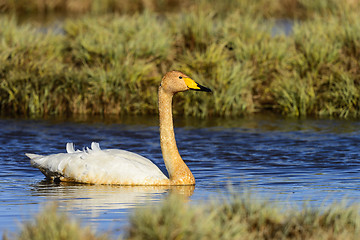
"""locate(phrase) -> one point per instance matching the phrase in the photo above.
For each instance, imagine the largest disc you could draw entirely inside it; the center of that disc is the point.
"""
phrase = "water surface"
(286, 161)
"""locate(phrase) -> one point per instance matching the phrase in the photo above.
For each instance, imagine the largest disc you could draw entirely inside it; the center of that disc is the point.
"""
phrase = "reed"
(235, 217)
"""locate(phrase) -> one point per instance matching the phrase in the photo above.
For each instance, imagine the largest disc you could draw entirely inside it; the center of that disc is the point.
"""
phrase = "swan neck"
(179, 173)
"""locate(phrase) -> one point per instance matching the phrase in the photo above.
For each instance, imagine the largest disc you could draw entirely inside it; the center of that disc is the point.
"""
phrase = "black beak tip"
(207, 89)
(203, 89)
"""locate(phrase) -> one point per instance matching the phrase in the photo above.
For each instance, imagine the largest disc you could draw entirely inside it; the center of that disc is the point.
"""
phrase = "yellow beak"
(192, 85)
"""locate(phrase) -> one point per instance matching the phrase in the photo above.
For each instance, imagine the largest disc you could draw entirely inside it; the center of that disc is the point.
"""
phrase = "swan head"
(175, 81)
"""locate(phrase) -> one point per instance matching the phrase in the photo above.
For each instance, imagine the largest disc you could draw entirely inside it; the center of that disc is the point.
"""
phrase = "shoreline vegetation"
(110, 57)
(238, 217)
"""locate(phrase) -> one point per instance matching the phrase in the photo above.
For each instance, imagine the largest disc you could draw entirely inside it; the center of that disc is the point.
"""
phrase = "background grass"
(111, 57)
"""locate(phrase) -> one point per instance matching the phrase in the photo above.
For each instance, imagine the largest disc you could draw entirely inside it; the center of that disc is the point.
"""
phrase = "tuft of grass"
(28, 58)
(111, 39)
(50, 224)
(194, 30)
(344, 93)
(321, 81)
(240, 217)
(295, 97)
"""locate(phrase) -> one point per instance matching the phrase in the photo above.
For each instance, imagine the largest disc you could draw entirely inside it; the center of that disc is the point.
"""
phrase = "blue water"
(288, 162)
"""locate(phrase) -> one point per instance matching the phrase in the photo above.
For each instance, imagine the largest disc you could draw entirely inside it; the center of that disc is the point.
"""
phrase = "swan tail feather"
(33, 156)
(95, 146)
(37, 162)
(70, 148)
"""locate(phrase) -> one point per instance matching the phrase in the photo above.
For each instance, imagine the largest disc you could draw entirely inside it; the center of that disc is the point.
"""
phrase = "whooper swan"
(114, 166)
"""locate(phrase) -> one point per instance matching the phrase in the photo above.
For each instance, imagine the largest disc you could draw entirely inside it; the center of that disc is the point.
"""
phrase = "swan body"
(96, 166)
(113, 166)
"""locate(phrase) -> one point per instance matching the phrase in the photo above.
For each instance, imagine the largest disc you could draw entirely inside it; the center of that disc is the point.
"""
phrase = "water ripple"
(290, 161)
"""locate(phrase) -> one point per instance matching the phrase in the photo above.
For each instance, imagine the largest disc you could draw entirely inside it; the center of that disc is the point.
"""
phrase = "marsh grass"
(294, 9)
(240, 217)
(27, 60)
(324, 77)
(234, 217)
(51, 224)
(296, 97)
(111, 64)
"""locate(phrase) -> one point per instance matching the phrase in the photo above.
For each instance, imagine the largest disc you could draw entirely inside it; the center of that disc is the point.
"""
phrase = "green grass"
(240, 217)
(237, 217)
(51, 224)
(294, 9)
(106, 63)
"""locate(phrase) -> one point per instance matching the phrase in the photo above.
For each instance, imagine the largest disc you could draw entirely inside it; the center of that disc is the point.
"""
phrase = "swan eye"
(180, 77)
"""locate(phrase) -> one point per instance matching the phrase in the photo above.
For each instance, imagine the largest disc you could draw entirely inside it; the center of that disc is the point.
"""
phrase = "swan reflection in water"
(97, 199)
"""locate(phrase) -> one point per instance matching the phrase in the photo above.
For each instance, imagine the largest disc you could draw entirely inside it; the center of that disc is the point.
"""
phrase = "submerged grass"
(112, 64)
(238, 217)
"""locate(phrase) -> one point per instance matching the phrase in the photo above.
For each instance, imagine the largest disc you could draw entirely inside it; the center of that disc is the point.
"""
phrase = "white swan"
(113, 166)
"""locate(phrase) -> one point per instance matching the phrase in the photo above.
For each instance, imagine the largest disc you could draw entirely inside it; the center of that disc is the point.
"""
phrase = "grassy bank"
(293, 9)
(237, 218)
(112, 64)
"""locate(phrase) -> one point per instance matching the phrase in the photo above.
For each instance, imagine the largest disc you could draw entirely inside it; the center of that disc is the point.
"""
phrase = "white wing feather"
(111, 166)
